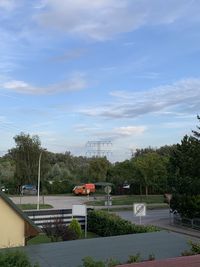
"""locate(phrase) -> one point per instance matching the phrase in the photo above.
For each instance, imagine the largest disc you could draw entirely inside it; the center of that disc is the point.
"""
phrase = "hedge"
(16, 258)
(106, 224)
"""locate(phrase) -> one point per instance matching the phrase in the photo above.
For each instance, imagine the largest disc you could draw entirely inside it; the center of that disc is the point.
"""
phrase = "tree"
(98, 168)
(196, 134)
(151, 171)
(184, 167)
(26, 155)
(184, 178)
(119, 174)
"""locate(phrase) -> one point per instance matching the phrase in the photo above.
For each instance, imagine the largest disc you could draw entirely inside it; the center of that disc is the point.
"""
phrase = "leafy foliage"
(25, 156)
(57, 231)
(90, 262)
(194, 249)
(187, 205)
(184, 176)
(15, 259)
(151, 171)
(134, 258)
(76, 227)
(106, 224)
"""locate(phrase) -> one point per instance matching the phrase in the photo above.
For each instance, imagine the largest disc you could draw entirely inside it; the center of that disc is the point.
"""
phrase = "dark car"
(28, 189)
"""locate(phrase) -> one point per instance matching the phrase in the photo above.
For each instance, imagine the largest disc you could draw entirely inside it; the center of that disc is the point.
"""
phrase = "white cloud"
(7, 4)
(85, 128)
(75, 83)
(128, 131)
(183, 95)
(121, 132)
(102, 19)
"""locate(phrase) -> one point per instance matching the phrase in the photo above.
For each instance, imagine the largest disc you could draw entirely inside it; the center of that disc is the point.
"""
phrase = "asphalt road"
(58, 202)
(151, 217)
(160, 218)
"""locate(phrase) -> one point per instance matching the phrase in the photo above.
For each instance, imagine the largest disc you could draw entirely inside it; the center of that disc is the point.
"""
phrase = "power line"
(99, 148)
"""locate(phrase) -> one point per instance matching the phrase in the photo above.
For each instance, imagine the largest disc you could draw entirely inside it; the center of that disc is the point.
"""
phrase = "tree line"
(169, 169)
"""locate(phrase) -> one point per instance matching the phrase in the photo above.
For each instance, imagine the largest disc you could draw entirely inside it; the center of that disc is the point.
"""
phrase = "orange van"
(84, 189)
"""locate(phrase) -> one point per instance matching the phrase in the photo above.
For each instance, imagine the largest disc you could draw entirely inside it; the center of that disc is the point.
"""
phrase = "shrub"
(76, 227)
(69, 234)
(152, 257)
(195, 249)
(106, 224)
(89, 262)
(112, 262)
(134, 258)
(57, 231)
(186, 205)
(15, 259)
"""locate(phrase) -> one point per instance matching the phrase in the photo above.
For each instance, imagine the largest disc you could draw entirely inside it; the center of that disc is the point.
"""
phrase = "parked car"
(28, 189)
(4, 189)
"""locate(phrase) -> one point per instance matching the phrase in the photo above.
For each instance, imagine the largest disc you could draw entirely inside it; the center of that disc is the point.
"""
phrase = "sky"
(125, 72)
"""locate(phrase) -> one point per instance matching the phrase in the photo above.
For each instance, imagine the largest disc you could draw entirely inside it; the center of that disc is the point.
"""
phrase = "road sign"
(79, 210)
(140, 209)
(108, 189)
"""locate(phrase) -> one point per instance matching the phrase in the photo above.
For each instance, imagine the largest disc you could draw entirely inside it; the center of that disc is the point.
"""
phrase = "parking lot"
(58, 202)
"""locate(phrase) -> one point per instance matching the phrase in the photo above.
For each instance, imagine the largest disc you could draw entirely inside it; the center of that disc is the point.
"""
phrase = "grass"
(34, 206)
(43, 238)
(40, 239)
(130, 199)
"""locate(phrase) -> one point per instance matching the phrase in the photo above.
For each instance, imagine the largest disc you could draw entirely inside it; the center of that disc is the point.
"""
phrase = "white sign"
(140, 209)
(79, 210)
(108, 189)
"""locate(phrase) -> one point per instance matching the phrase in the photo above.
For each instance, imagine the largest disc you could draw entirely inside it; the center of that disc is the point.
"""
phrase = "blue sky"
(73, 71)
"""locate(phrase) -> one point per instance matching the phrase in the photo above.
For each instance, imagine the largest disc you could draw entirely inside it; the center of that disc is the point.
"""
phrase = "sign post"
(80, 210)
(108, 200)
(139, 210)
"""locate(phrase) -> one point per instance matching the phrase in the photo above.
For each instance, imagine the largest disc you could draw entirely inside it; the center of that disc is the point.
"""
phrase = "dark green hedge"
(16, 258)
(187, 206)
(106, 224)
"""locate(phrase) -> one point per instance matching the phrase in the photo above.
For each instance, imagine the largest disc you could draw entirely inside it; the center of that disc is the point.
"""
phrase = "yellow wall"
(11, 227)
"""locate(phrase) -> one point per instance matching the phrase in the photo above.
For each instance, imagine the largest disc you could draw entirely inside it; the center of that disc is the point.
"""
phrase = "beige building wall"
(11, 227)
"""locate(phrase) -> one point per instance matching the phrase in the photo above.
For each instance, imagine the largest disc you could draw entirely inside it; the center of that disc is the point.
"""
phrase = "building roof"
(19, 212)
(70, 253)
(187, 261)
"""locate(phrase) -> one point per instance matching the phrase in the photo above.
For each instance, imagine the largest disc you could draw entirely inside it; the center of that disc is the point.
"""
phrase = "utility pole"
(38, 189)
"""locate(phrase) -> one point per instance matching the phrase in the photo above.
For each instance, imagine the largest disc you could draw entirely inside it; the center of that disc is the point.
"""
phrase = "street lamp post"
(38, 189)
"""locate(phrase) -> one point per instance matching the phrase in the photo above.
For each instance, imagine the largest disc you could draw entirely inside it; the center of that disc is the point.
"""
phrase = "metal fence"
(45, 217)
(191, 223)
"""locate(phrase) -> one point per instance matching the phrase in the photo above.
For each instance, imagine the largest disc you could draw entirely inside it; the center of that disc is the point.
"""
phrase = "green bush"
(15, 259)
(76, 227)
(134, 258)
(194, 249)
(89, 262)
(58, 231)
(105, 224)
(187, 206)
